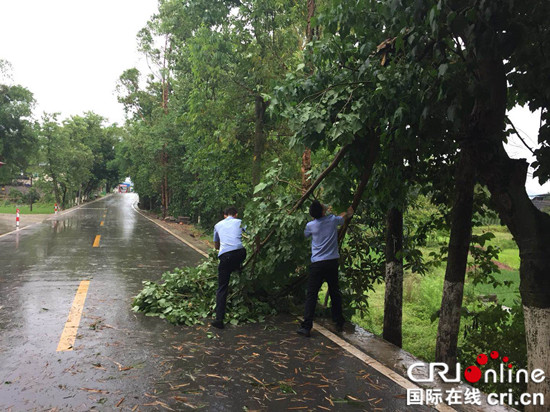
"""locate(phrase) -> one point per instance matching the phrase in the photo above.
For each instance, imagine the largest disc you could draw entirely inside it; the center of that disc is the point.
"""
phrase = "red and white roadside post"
(17, 219)
(55, 208)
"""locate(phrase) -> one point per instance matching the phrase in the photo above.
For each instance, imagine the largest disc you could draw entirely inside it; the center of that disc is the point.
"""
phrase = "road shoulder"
(188, 233)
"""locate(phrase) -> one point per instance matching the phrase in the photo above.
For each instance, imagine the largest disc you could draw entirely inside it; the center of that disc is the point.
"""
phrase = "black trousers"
(229, 262)
(318, 273)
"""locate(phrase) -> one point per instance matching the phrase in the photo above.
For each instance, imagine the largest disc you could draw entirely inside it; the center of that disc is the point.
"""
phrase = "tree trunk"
(459, 244)
(393, 300)
(164, 195)
(164, 198)
(259, 139)
(306, 156)
(310, 31)
(55, 189)
(166, 191)
(64, 198)
(505, 179)
(306, 168)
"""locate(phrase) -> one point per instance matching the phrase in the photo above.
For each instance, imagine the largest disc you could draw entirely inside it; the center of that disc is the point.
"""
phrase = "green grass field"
(422, 297)
(37, 208)
(421, 300)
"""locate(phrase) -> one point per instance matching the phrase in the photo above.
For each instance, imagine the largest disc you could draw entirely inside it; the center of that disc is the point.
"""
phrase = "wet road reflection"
(122, 360)
(41, 267)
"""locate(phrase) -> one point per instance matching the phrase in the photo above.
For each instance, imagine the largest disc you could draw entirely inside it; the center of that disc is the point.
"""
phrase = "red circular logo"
(494, 354)
(472, 374)
(481, 359)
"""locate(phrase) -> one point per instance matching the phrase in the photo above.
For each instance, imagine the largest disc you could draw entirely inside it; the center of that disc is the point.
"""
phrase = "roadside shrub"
(32, 196)
(492, 327)
(15, 196)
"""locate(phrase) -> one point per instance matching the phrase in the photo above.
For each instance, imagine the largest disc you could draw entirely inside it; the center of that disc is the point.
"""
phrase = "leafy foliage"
(77, 155)
(492, 327)
(188, 296)
(401, 74)
(18, 141)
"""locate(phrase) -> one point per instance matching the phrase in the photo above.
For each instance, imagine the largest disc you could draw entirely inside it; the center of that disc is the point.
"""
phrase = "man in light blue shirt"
(323, 230)
(227, 239)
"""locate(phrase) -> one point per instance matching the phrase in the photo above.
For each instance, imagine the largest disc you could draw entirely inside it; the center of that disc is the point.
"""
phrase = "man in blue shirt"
(323, 230)
(227, 239)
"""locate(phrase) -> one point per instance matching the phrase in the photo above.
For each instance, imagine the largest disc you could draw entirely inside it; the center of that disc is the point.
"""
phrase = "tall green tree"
(440, 82)
(78, 154)
(17, 139)
(220, 64)
(485, 45)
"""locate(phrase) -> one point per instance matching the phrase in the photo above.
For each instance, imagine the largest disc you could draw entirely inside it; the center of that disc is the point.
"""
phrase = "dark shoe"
(217, 324)
(304, 332)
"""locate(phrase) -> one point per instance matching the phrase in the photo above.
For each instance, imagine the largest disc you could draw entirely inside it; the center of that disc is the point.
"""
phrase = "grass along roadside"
(37, 209)
(422, 300)
(422, 296)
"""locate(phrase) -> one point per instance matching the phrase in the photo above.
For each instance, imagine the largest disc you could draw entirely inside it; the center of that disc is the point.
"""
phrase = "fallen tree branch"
(339, 156)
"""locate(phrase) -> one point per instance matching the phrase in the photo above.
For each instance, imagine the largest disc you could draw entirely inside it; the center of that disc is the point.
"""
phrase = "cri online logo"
(474, 374)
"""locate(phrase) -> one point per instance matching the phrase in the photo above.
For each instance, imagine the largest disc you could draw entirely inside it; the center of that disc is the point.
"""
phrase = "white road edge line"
(373, 363)
(19, 230)
(172, 233)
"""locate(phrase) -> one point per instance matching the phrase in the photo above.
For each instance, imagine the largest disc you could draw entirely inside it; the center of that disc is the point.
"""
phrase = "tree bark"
(306, 168)
(164, 198)
(310, 31)
(306, 156)
(339, 156)
(56, 189)
(64, 198)
(455, 273)
(393, 300)
(505, 179)
(259, 139)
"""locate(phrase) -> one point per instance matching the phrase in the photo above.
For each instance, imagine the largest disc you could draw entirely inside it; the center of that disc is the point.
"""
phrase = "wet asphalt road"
(126, 361)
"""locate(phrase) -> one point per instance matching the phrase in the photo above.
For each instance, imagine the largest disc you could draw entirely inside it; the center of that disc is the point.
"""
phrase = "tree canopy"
(395, 99)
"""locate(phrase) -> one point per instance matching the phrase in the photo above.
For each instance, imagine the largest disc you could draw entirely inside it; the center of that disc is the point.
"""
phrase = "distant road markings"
(102, 222)
(68, 336)
(96, 241)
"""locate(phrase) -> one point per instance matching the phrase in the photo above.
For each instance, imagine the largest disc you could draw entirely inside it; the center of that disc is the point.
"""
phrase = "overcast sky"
(527, 124)
(70, 53)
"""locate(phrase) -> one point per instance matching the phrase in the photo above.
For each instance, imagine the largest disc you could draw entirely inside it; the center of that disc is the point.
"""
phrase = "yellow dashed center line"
(68, 336)
(96, 241)
(102, 222)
